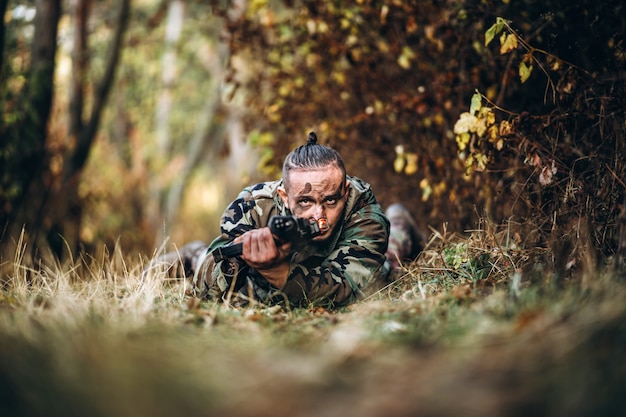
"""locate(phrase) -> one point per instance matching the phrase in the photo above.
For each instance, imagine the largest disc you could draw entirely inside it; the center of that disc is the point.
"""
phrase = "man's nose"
(319, 211)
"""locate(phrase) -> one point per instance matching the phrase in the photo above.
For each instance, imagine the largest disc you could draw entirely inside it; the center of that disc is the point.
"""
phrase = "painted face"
(317, 194)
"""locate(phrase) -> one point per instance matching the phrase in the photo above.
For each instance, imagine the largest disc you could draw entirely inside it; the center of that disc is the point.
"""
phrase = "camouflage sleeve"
(235, 221)
(246, 212)
(356, 261)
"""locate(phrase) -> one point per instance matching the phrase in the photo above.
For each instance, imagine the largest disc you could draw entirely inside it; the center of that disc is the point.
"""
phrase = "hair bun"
(312, 139)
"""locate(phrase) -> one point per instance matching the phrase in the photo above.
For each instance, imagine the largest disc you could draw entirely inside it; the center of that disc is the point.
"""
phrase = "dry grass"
(473, 327)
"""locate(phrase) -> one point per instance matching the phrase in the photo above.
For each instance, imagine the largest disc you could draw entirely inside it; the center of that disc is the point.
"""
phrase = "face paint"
(318, 195)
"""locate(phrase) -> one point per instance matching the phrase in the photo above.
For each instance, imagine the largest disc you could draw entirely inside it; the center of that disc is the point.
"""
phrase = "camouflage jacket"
(331, 273)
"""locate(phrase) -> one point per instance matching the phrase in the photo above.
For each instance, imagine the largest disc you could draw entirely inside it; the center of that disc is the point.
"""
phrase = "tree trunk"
(169, 74)
(28, 164)
(3, 9)
(158, 204)
(206, 132)
(64, 208)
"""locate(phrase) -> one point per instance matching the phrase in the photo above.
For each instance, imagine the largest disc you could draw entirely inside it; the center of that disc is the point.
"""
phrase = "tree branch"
(79, 67)
(101, 91)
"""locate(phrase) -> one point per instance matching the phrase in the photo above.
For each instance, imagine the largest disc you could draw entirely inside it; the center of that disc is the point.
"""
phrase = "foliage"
(385, 82)
(572, 150)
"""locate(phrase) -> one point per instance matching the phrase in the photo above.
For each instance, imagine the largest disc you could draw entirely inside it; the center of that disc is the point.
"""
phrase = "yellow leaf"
(429, 31)
(491, 93)
(440, 188)
(339, 77)
(481, 127)
(382, 46)
(465, 123)
(505, 128)
(490, 116)
(284, 90)
(468, 164)
(255, 6)
(493, 133)
(462, 140)
(383, 14)
(481, 162)
(508, 43)
(484, 160)
(404, 62)
(525, 71)
(411, 164)
(398, 163)
(426, 189)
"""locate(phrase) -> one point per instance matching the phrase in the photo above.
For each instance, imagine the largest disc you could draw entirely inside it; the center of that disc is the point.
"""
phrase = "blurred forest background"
(136, 122)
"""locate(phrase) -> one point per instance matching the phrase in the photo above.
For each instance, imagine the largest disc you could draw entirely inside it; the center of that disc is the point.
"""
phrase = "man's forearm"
(276, 275)
(318, 288)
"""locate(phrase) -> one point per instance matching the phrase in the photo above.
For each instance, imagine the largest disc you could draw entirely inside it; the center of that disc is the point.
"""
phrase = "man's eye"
(331, 201)
(305, 202)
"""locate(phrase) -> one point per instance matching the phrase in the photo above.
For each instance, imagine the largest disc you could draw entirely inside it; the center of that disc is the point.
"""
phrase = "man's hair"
(312, 156)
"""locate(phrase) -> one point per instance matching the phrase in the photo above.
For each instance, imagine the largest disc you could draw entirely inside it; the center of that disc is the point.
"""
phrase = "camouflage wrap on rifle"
(330, 273)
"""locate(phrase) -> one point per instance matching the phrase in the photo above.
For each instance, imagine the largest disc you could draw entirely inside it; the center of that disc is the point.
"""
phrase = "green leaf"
(495, 29)
(490, 34)
(476, 103)
(525, 71)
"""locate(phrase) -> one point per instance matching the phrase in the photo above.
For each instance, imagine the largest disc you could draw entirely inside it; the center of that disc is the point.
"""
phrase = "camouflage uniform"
(406, 240)
(335, 272)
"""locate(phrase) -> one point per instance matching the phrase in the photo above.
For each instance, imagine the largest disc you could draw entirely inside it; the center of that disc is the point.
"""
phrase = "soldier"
(332, 269)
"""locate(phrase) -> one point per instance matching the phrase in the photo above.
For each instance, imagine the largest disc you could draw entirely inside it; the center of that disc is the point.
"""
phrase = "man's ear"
(347, 189)
(283, 195)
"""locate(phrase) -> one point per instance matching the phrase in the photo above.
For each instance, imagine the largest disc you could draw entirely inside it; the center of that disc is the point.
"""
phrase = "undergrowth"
(476, 325)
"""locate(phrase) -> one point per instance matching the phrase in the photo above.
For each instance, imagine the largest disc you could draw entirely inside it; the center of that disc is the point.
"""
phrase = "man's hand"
(260, 252)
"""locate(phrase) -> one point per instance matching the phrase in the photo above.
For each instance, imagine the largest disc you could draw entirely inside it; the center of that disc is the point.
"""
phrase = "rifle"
(284, 229)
